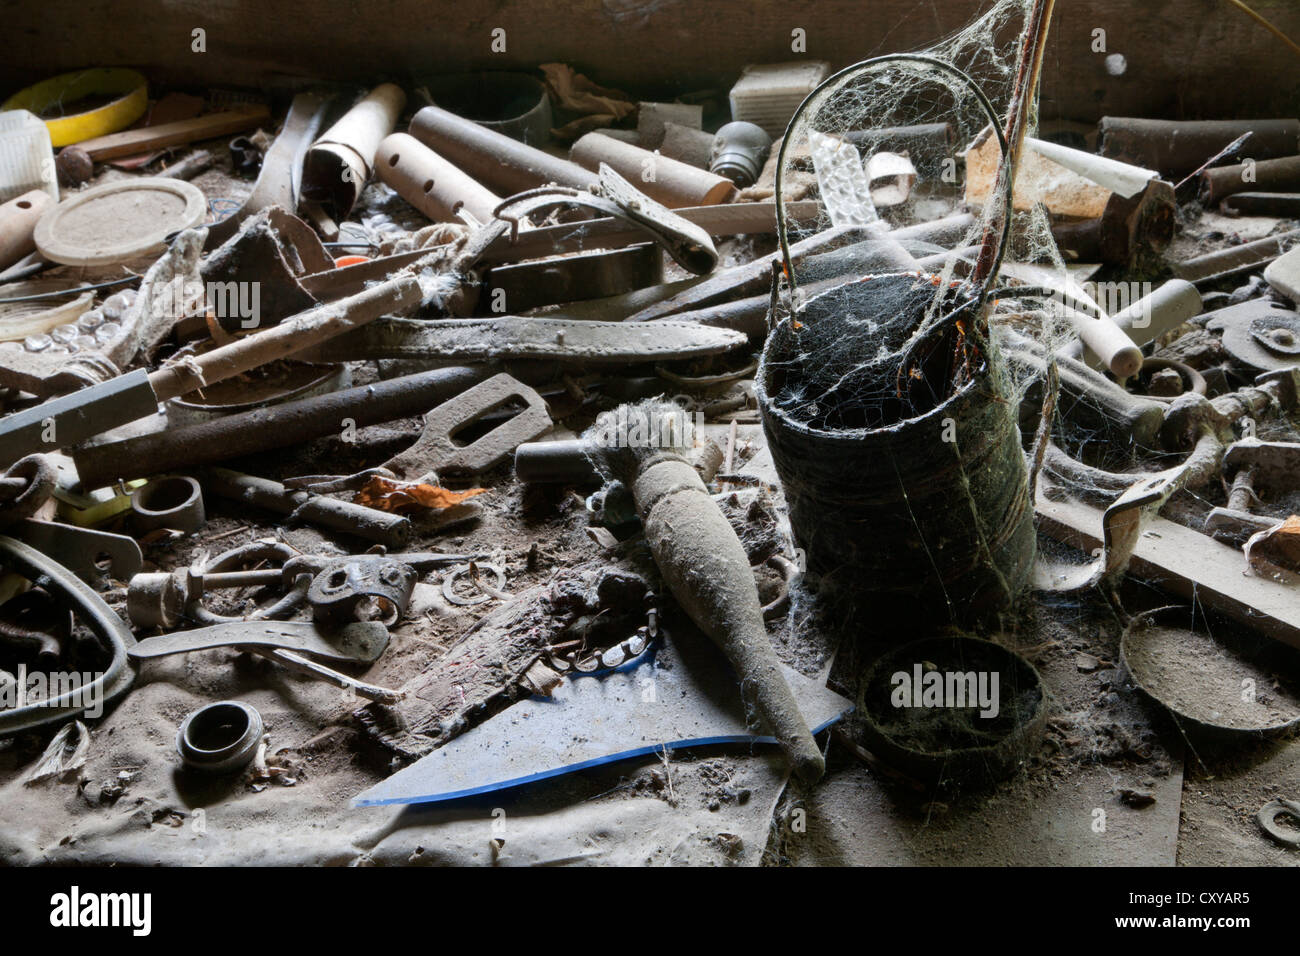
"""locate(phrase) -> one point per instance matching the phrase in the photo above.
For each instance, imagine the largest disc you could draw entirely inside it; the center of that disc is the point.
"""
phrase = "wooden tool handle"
(1108, 342)
(148, 138)
(292, 335)
(18, 219)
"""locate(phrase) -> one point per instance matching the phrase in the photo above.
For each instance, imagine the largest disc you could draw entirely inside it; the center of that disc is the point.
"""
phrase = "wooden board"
(149, 138)
(1189, 564)
(1185, 58)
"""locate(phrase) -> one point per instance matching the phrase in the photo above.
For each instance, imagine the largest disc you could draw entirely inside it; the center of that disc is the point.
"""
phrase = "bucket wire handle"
(870, 65)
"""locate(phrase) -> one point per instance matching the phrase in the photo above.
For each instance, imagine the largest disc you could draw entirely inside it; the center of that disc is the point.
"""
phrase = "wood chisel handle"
(292, 335)
(1108, 342)
(18, 219)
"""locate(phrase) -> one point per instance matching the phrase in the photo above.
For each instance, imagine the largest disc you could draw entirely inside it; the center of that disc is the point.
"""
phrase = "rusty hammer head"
(1274, 464)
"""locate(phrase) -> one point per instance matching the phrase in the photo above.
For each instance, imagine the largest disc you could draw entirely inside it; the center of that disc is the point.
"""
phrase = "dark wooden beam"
(1186, 58)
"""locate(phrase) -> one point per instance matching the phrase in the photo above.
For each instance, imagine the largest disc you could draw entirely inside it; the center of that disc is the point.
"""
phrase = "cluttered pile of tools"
(174, 329)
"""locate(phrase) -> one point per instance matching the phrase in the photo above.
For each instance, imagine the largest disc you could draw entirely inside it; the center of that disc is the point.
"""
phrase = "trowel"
(675, 694)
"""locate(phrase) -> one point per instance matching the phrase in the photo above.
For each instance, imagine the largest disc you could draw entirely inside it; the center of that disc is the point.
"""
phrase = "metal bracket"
(360, 642)
(78, 549)
(343, 587)
(437, 451)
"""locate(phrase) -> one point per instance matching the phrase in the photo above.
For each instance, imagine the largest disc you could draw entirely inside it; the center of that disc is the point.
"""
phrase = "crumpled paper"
(598, 106)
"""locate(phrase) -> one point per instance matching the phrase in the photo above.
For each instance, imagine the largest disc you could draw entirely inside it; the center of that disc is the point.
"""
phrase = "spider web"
(928, 110)
(888, 325)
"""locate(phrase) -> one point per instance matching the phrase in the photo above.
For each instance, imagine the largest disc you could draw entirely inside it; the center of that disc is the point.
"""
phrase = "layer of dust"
(104, 221)
(1223, 791)
(1201, 231)
(1102, 785)
(132, 804)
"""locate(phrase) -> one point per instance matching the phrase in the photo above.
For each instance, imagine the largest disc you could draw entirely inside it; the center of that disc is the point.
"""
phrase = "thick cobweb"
(880, 148)
(871, 351)
(886, 321)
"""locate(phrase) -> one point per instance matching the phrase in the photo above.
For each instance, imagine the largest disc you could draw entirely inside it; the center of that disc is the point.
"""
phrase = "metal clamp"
(375, 588)
(238, 557)
(174, 502)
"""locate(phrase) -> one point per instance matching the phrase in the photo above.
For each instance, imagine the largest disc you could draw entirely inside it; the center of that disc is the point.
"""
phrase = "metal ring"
(221, 737)
(450, 578)
(174, 502)
(1267, 819)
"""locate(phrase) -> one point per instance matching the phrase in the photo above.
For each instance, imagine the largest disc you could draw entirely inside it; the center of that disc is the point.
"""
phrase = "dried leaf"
(387, 495)
(1276, 549)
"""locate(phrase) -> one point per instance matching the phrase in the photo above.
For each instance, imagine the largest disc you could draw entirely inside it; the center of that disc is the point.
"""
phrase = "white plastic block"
(26, 157)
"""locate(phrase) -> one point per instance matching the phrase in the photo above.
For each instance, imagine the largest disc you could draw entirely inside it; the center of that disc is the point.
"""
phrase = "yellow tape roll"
(130, 88)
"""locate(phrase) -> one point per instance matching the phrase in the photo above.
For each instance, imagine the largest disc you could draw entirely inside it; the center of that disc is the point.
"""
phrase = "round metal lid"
(119, 221)
(1228, 681)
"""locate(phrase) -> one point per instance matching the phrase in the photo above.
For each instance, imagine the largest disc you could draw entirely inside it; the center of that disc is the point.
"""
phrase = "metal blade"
(677, 694)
